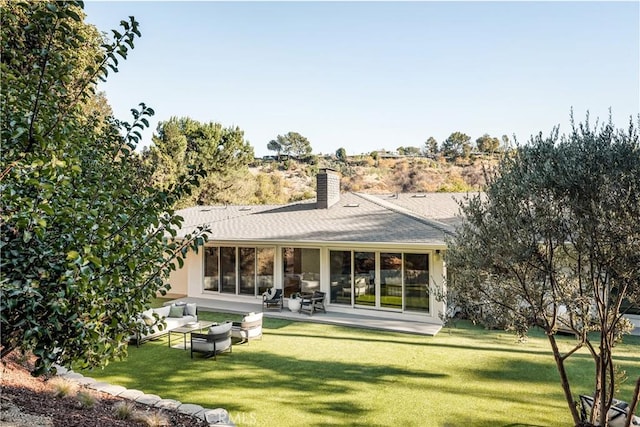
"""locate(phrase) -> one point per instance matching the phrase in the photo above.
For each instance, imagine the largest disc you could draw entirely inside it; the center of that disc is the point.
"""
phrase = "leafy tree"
(341, 154)
(457, 145)
(408, 151)
(487, 144)
(506, 143)
(274, 145)
(221, 153)
(294, 144)
(85, 242)
(555, 243)
(430, 147)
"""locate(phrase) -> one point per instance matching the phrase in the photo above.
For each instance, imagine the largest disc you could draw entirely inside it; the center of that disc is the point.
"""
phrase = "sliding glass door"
(264, 269)
(341, 285)
(247, 270)
(391, 280)
(384, 280)
(416, 282)
(228, 269)
(211, 272)
(364, 278)
(238, 270)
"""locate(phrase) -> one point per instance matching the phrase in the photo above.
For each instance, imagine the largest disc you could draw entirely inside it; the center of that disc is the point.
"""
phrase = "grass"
(321, 375)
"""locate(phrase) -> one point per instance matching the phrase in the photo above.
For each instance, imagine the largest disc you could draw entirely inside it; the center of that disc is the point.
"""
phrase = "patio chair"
(272, 298)
(217, 340)
(617, 415)
(312, 303)
(249, 328)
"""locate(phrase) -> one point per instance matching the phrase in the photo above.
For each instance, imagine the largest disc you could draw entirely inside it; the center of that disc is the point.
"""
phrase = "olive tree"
(86, 242)
(554, 242)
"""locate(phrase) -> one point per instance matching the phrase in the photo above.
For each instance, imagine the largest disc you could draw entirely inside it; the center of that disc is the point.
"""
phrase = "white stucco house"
(374, 254)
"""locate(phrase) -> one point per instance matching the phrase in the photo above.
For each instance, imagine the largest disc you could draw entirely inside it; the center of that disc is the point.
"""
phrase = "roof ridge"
(447, 229)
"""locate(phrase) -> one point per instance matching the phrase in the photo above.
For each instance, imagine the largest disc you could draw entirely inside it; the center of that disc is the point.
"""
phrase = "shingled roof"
(357, 218)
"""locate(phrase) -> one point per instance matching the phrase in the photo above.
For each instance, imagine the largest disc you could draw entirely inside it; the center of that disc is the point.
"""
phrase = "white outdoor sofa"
(173, 315)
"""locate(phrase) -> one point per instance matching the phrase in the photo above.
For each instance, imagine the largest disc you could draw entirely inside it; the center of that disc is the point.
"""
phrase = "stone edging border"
(217, 417)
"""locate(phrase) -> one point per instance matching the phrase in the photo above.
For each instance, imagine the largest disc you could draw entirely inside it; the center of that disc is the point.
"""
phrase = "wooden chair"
(270, 300)
(312, 303)
(210, 344)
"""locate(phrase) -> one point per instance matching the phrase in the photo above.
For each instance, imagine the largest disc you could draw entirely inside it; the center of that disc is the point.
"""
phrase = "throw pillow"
(176, 311)
(190, 310)
(148, 320)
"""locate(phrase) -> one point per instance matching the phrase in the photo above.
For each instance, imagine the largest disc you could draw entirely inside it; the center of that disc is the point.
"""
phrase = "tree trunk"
(564, 379)
(633, 404)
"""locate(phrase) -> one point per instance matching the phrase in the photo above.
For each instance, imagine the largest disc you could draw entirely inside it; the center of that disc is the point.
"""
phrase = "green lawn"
(305, 374)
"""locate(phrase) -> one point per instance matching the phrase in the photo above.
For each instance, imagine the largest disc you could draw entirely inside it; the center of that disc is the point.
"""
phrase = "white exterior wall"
(178, 280)
(194, 264)
(191, 276)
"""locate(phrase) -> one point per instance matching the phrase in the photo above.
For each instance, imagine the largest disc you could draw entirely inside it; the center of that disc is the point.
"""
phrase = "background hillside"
(291, 180)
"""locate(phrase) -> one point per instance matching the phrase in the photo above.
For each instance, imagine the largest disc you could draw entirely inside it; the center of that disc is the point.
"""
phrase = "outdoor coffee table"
(187, 329)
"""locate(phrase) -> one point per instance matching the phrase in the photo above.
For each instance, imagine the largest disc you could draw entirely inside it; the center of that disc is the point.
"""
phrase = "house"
(381, 255)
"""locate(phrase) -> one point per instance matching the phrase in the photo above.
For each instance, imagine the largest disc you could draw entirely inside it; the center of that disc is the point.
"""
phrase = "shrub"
(153, 419)
(124, 410)
(86, 399)
(62, 387)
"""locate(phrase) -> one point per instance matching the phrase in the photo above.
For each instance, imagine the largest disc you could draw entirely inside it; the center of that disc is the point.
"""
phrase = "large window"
(340, 274)
(228, 270)
(211, 274)
(403, 282)
(247, 270)
(238, 270)
(364, 284)
(301, 268)
(391, 280)
(416, 282)
(264, 269)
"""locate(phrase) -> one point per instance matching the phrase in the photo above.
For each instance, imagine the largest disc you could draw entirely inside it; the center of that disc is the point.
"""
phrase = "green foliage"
(457, 145)
(454, 184)
(86, 243)
(124, 410)
(558, 231)
(274, 145)
(408, 151)
(487, 144)
(430, 147)
(269, 190)
(86, 399)
(294, 144)
(183, 144)
(341, 154)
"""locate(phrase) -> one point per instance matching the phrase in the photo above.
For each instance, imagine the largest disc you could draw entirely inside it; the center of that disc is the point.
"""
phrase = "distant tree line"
(457, 145)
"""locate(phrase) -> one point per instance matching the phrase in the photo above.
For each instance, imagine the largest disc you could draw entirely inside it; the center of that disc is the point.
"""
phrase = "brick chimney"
(328, 188)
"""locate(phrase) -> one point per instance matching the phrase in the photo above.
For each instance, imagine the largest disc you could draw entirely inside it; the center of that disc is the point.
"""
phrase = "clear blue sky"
(373, 75)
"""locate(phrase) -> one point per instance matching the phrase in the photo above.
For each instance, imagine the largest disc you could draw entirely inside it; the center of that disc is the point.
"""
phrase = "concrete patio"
(356, 319)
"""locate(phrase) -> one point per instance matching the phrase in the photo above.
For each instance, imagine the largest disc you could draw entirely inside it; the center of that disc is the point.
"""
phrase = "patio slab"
(363, 319)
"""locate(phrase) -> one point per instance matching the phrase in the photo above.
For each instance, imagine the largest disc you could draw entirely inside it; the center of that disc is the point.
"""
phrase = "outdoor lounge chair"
(272, 298)
(217, 340)
(618, 412)
(249, 328)
(312, 303)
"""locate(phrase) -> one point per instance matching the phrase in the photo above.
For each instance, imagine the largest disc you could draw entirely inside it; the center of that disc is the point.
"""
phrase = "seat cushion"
(202, 346)
(252, 316)
(220, 329)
